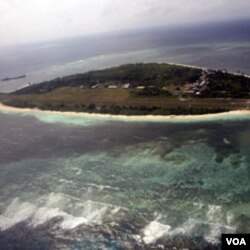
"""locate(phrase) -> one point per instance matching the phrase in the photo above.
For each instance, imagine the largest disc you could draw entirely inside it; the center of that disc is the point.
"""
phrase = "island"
(139, 89)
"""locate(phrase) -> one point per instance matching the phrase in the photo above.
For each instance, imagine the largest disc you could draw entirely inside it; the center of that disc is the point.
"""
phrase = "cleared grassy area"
(121, 101)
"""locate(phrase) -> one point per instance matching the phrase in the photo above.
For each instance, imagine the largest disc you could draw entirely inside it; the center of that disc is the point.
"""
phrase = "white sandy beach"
(205, 68)
(236, 113)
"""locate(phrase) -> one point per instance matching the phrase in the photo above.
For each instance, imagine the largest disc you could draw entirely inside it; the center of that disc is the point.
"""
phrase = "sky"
(24, 21)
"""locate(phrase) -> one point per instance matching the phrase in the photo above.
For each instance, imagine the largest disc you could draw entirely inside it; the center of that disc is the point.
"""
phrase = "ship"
(13, 78)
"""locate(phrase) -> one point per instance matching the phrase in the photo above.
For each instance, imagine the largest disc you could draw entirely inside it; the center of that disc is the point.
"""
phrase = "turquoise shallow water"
(122, 185)
(85, 119)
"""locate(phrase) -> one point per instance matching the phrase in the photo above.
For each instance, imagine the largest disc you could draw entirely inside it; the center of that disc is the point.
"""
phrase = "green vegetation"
(158, 75)
(138, 89)
(228, 85)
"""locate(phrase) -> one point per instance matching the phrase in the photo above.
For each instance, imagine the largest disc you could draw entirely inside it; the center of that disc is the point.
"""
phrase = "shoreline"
(204, 68)
(203, 117)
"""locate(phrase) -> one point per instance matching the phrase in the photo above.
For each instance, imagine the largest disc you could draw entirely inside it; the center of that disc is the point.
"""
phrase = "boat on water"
(13, 78)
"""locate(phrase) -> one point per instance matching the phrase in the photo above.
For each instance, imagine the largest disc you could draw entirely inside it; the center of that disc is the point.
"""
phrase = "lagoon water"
(114, 184)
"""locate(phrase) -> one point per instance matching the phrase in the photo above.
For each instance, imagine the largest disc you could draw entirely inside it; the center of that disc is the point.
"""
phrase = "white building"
(126, 85)
(140, 87)
(112, 87)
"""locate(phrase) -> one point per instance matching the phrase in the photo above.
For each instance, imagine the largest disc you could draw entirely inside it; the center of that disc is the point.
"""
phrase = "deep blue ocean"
(217, 46)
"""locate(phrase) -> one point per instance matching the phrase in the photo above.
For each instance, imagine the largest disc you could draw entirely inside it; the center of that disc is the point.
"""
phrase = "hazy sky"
(34, 20)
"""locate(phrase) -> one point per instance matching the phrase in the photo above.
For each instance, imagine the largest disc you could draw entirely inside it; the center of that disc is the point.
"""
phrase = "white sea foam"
(211, 228)
(215, 230)
(15, 213)
(230, 218)
(102, 187)
(78, 171)
(189, 227)
(44, 214)
(216, 224)
(155, 230)
(214, 214)
(56, 205)
(19, 211)
(66, 181)
(70, 222)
